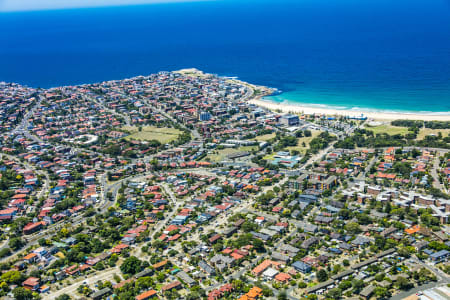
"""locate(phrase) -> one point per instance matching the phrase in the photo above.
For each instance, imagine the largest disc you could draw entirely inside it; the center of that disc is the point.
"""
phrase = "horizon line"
(11, 6)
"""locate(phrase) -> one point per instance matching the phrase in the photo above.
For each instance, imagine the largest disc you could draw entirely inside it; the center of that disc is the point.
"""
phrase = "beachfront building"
(290, 120)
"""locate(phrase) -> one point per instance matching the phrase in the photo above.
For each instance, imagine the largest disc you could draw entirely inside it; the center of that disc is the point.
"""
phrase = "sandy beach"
(290, 108)
(302, 109)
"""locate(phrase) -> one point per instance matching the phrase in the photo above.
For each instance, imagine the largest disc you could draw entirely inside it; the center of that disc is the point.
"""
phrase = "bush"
(5, 252)
(16, 243)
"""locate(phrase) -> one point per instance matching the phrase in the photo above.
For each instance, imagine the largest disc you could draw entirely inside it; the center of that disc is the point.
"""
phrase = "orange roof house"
(173, 285)
(254, 292)
(119, 248)
(283, 277)
(413, 229)
(263, 266)
(32, 283)
(31, 257)
(391, 150)
(160, 265)
(146, 295)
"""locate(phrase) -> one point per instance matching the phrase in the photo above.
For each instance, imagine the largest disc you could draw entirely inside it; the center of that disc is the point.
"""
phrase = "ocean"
(348, 54)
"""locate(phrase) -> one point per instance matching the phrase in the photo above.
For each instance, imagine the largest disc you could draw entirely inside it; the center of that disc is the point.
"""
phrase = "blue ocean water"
(367, 54)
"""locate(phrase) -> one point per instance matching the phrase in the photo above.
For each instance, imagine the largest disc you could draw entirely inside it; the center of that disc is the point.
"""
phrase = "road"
(443, 280)
(412, 291)
(176, 205)
(105, 203)
(434, 173)
(46, 183)
(41, 193)
(362, 175)
(71, 290)
(194, 132)
(112, 111)
(23, 125)
(247, 206)
(108, 274)
(48, 232)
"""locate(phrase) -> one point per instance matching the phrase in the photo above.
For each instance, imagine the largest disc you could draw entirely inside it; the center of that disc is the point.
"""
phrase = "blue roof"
(335, 250)
(301, 265)
(428, 251)
(307, 197)
(440, 253)
(332, 209)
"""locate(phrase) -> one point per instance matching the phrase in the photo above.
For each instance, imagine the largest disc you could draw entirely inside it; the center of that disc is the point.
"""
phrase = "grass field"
(222, 154)
(163, 135)
(305, 140)
(299, 146)
(427, 131)
(269, 156)
(404, 130)
(265, 137)
(389, 129)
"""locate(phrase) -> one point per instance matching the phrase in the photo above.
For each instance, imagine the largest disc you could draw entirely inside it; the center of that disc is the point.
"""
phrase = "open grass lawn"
(427, 131)
(269, 156)
(306, 140)
(219, 155)
(265, 137)
(389, 129)
(404, 130)
(163, 135)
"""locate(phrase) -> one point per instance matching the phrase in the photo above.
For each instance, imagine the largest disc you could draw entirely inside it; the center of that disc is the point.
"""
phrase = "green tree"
(322, 275)
(12, 277)
(4, 287)
(5, 252)
(403, 283)
(404, 252)
(379, 277)
(16, 243)
(22, 294)
(335, 293)
(258, 245)
(158, 244)
(382, 293)
(353, 227)
(248, 226)
(131, 265)
(357, 285)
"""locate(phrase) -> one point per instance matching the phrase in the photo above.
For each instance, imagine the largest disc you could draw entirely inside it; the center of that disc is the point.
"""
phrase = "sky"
(27, 5)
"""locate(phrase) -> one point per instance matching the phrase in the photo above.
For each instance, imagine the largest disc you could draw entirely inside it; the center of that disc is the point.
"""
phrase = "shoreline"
(376, 115)
(328, 111)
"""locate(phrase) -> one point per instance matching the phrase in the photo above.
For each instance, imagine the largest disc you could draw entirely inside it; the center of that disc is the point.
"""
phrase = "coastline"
(378, 115)
(300, 108)
(328, 111)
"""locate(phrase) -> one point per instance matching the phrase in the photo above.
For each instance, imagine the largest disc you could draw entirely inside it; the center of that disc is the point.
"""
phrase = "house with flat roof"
(367, 292)
(290, 120)
(301, 267)
(101, 293)
(440, 256)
